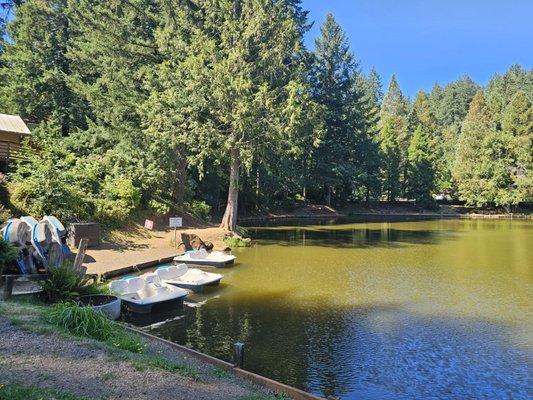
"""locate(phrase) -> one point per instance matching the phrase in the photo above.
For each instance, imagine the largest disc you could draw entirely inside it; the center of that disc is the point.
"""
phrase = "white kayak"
(188, 278)
(203, 257)
(140, 294)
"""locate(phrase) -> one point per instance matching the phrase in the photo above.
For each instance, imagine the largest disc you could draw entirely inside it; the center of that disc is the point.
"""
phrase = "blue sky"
(430, 41)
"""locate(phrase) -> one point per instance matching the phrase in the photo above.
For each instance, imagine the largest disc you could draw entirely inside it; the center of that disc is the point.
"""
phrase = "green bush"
(237, 242)
(199, 208)
(51, 180)
(86, 322)
(8, 254)
(119, 200)
(65, 284)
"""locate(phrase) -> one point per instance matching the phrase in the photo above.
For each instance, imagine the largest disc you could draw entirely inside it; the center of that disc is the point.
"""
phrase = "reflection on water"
(403, 310)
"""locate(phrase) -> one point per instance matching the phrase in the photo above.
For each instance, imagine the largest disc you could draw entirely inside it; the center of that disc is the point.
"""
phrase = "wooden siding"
(10, 147)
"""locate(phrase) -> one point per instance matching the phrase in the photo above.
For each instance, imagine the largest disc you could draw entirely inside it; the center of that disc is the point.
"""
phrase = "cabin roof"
(13, 123)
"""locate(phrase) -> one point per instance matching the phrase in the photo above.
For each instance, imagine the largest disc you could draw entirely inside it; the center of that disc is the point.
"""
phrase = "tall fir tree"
(369, 156)
(501, 88)
(517, 132)
(394, 140)
(450, 106)
(231, 84)
(421, 152)
(114, 54)
(473, 161)
(334, 76)
(36, 69)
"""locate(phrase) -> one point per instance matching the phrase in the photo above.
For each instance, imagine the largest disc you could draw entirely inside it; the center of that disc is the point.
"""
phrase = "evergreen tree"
(334, 86)
(421, 154)
(450, 106)
(36, 69)
(231, 84)
(394, 140)
(114, 53)
(517, 125)
(501, 88)
(474, 164)
(369, 157)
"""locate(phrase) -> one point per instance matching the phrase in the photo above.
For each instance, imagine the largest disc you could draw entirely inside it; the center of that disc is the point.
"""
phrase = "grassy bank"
(94, 358)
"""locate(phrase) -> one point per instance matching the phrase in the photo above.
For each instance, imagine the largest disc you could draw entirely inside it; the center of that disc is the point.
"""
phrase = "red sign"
(148, 224)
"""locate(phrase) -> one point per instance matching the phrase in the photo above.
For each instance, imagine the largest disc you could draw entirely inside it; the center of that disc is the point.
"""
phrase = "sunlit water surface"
(393, 310)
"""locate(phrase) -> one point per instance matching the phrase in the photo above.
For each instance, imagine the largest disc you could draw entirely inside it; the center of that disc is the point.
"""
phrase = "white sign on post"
(175, 222)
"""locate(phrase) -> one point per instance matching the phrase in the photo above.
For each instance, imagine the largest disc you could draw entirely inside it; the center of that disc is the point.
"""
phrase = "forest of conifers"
(163, 105)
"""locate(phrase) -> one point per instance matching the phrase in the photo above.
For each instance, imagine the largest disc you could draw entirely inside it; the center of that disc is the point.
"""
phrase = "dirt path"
(88, 370)
(140, 246)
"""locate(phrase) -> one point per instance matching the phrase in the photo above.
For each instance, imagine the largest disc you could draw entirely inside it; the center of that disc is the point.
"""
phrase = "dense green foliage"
(160, 106)
(86, 322)
(8, 254)
(66, 284)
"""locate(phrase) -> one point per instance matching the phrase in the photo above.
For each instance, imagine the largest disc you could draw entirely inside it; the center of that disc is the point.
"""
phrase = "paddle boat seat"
(203, 257)
(142, 292)
(189, 278)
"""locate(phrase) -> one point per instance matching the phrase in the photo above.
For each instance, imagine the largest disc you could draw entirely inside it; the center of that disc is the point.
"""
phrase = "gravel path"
(88, 370)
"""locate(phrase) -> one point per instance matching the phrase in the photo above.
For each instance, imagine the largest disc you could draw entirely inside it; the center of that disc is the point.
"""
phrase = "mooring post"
(238, 355)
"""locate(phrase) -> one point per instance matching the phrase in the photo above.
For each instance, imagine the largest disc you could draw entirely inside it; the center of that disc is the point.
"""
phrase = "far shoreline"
(382, 211)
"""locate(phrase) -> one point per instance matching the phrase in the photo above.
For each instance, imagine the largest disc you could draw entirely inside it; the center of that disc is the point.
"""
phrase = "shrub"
(8, 254)
(119, 201)
(65, 284)
(237, 242)
(199, 208)
(86, 322)
(51, 180)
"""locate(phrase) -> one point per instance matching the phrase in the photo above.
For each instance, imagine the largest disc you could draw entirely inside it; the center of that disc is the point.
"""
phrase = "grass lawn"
(23, 392)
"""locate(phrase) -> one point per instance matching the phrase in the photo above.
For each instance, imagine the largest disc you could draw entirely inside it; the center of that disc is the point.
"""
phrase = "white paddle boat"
(203, 257)
(141, 294)
(187, 278)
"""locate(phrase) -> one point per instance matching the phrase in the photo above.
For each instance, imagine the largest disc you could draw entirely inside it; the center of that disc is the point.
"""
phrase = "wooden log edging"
(136, 267)
(270, 384)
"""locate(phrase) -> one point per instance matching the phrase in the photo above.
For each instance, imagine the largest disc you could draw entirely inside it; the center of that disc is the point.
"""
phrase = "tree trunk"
(229, 220)
(180, 180)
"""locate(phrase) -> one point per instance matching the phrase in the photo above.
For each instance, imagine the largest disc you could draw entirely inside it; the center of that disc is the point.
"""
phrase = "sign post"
(175, 222)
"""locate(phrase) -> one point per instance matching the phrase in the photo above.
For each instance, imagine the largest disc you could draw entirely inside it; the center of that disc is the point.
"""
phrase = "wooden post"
(238, 355)
(80, 255)
(8, 287)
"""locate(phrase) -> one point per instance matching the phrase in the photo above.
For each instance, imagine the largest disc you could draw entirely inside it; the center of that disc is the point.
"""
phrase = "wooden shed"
(12, 132)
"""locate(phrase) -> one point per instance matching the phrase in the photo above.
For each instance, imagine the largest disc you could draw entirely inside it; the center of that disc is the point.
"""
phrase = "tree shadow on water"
(354, 238)
(367, 351)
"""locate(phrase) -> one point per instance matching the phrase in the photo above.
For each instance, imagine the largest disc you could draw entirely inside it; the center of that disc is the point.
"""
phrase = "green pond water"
(380, 310)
